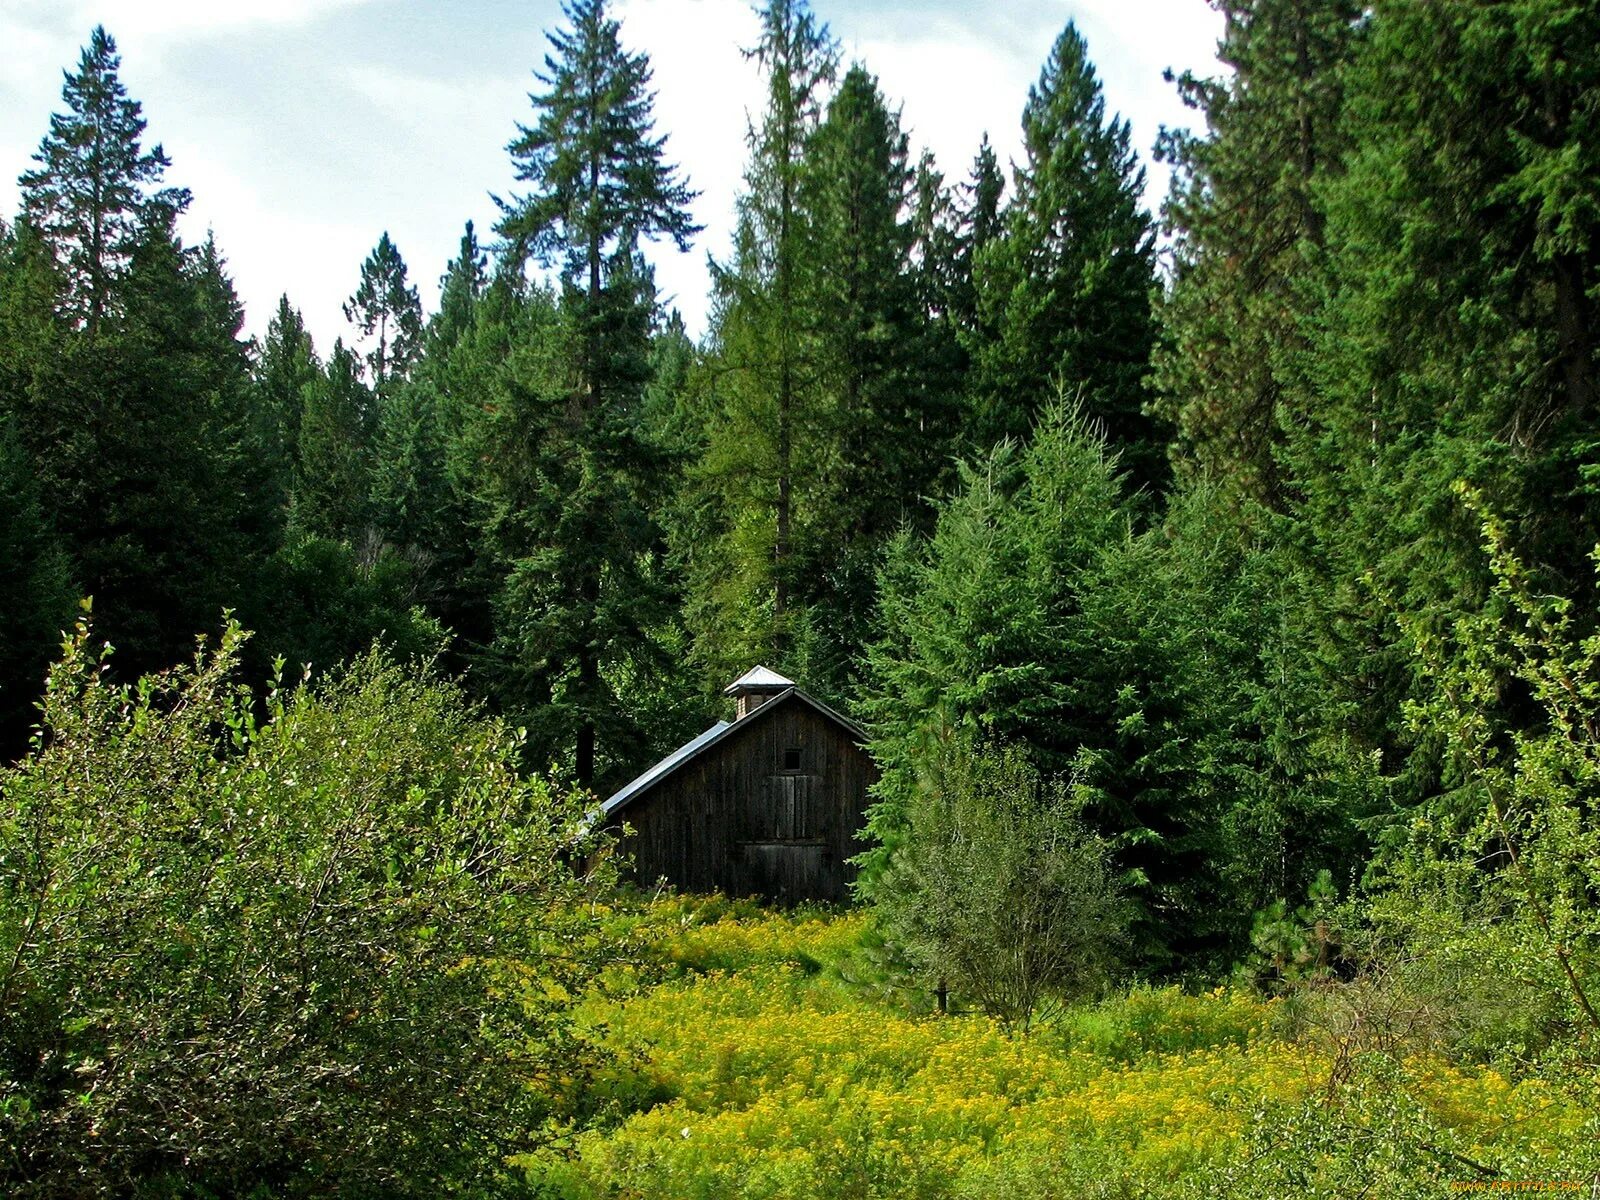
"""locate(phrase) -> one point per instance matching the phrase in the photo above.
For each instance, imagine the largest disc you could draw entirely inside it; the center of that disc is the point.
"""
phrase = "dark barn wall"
(735, 820)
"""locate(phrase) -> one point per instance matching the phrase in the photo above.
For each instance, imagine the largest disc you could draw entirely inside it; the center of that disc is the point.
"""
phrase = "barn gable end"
(770, 805)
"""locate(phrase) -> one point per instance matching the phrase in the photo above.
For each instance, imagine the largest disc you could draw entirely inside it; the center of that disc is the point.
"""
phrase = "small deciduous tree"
(1001, 889)
(1519, 844)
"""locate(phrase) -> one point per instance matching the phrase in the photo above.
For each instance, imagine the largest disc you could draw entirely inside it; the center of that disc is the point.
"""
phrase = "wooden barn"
(770, 804)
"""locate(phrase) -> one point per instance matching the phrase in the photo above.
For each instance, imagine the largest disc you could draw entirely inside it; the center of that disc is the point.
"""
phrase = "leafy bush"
(328, 945)
(1413, 1131)
(1001, 889)
(1166, 1020)
(1491, 888)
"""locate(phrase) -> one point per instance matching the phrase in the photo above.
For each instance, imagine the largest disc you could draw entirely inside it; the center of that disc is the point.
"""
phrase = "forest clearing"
(762, 1057)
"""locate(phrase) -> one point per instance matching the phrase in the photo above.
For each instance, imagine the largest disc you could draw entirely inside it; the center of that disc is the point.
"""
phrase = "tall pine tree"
(765, 446)
(95, 183)
(602, 185)
(1065, 292)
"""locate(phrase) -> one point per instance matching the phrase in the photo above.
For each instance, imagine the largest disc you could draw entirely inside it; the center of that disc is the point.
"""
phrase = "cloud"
(307, 127)
(148, 21)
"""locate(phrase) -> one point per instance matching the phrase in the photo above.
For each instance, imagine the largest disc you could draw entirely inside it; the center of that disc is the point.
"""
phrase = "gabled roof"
(719, 731)
(663, 768)
(758, 679)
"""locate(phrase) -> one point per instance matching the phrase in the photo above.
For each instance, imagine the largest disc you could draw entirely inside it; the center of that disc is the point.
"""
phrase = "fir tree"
(604, 183)
(581, 596)
(1067, 288)
(92, 189)
(887, 418)
(1449, 337)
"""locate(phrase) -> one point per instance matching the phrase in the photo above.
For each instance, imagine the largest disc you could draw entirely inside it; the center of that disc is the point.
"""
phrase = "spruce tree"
(581, 598)
(1067, 288)
(95, 183)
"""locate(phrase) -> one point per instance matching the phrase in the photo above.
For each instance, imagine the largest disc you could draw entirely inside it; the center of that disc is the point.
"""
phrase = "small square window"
(791, 759)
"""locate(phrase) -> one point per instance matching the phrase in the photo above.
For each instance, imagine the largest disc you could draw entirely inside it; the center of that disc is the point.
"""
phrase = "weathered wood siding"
(735, 820)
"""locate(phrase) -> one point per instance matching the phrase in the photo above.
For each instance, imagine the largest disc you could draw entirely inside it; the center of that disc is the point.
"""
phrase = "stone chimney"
(754, 688)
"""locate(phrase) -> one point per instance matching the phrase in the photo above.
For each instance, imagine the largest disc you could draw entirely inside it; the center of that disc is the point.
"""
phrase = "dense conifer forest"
(1217, 586)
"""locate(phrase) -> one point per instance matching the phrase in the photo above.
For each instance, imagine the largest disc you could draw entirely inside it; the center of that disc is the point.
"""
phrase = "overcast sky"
(305, 128)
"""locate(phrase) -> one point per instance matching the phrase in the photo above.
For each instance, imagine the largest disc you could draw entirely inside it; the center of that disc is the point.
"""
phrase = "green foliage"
(584, 595)
(766, 429)
(765, 1078)
(35, 591)
(323, 603)
(1064, 290)
(1248, 220)
(90, 196)
(1373, 1132)
(333, 487)
(1518, 843)
(386, 309)
(1001, 891)
(319, 945)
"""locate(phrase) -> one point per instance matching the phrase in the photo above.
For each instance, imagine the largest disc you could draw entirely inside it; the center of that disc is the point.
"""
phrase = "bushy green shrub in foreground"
(324, 947)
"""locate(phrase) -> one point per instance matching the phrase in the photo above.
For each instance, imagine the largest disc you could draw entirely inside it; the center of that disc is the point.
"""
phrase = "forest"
(1217, 586)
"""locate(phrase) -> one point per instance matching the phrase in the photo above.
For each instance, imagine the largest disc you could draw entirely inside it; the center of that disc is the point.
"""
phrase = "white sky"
(305, 128)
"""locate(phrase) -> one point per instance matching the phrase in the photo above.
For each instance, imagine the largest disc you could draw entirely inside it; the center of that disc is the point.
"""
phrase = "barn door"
(787, 808)
(785, 839)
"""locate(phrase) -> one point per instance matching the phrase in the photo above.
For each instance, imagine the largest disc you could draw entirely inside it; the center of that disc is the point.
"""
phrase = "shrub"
(323, 946)
(1002, 889)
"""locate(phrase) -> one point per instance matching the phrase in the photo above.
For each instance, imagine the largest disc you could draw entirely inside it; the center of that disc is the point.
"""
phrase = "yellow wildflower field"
(764, 1072)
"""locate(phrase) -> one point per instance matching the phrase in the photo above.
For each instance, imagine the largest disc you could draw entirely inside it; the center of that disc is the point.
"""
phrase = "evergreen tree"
(332, 495)
(286, 366)
(981, 620)
(1449, 337)
(981, 216)
(1067, 288)
(604, 184)
(36, 593)
(385, 307)
(887, 420)
(93, 187)
(1247, 221)
(765, 450)
(581, 595)
(460, 288)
